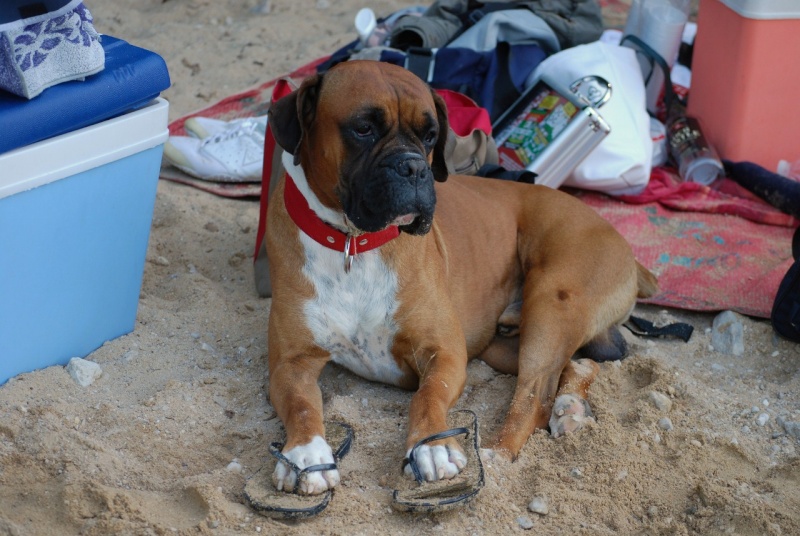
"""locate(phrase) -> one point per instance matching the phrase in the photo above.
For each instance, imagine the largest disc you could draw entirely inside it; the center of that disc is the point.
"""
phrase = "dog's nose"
(411, 167)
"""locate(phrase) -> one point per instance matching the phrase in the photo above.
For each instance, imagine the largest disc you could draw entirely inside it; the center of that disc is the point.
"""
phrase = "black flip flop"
(269, 502)
(443, 495)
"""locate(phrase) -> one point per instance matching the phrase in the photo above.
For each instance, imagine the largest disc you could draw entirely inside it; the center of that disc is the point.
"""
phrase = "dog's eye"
(430, 137)
(363, 130)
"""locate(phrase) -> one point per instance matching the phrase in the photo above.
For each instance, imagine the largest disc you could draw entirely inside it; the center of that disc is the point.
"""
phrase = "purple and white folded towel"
(44, 43)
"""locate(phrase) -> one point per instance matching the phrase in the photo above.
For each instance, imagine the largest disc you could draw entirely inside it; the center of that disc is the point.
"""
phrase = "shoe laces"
(245, 128)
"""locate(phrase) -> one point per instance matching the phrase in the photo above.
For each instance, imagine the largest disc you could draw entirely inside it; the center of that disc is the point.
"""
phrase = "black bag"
(786, 309)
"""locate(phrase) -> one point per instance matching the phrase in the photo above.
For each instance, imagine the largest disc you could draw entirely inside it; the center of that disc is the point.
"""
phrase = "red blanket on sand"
(713, 248)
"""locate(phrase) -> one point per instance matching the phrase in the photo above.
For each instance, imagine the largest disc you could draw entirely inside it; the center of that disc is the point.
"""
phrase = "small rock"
(539, 506)
(83, 372)
(762, 419)
(576, 473)
(130, 355)
(237, 259)
(211, 226)
(264, 7)
(525, 522)
(160, 261)
(791, 428)
(727, 334)
(695, 443)
(234, 467)
(665, 424)
(487, 455)
(661, 401)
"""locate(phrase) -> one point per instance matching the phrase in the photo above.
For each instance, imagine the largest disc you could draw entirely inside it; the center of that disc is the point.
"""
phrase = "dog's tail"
(646, 282)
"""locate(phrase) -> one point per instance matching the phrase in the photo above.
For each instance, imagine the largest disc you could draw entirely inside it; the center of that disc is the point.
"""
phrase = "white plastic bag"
(621, 163)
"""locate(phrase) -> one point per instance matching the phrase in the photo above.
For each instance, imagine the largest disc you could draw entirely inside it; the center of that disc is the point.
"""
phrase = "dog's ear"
(291, 116)
(439, 166)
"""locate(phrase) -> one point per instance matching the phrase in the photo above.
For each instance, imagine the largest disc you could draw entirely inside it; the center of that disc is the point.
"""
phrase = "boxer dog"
(383, 264)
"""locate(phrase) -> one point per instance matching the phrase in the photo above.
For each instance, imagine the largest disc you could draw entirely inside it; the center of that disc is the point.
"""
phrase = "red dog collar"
(327, 235)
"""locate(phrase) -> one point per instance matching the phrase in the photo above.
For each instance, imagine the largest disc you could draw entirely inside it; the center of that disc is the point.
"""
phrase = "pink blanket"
(711, 248)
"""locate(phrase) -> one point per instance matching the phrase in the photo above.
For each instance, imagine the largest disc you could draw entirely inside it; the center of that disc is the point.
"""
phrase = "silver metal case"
(549, 132)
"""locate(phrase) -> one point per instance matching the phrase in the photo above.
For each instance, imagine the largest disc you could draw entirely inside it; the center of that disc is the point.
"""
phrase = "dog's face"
(374, 155)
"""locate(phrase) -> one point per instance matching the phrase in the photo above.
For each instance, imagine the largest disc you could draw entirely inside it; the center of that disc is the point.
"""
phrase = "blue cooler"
(79, 167)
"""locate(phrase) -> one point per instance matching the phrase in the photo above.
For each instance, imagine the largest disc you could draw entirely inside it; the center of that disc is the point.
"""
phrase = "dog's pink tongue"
(404, 220)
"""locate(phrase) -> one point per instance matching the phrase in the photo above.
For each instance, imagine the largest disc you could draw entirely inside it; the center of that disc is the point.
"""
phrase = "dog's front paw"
(312, 483)
(440, 462)
(570, 414)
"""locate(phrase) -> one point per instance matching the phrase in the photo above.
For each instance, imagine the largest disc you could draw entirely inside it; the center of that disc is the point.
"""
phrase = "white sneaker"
(234, 154)
(204, 127)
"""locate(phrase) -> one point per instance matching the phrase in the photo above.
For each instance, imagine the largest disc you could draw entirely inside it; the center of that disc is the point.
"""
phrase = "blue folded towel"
(42, 50)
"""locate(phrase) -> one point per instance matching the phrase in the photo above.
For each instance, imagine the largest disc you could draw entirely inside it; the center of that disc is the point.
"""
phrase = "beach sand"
(164, 440)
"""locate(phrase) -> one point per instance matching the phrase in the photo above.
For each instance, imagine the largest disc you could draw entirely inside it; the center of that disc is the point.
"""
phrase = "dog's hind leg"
(549, 336)
(571, 410)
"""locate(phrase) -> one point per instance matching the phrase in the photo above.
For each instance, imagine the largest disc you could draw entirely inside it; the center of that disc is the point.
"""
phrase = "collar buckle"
(348, 257)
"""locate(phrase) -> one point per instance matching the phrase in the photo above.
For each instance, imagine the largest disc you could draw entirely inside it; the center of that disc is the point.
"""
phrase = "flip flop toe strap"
(276, 449)
(411, 459)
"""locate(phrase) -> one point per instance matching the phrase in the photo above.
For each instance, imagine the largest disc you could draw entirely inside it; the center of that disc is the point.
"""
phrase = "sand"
(164, 440)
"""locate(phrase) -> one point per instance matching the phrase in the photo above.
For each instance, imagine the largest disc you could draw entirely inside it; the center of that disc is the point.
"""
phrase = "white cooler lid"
(87, 148)
(765, 9)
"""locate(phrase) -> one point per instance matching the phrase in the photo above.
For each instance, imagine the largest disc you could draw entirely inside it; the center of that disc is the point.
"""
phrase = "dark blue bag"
(503, 48)
(494, 78)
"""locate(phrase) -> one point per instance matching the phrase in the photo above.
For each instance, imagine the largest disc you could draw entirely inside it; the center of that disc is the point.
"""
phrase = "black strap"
(670, 98)
(276, 447)
(645, 328)
(419, 60)
(505, 92)
(435, 437)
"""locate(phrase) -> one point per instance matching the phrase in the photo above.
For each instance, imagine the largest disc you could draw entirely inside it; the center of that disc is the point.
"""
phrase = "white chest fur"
(352, 315)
